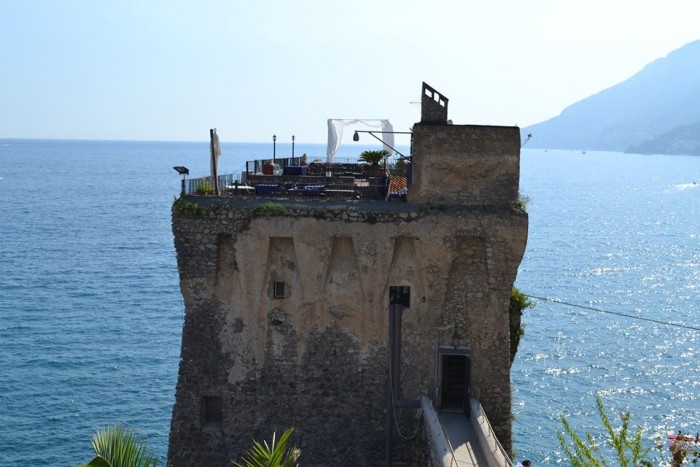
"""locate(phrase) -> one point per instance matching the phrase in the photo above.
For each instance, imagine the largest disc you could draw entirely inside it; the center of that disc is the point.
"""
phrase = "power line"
(556, 300)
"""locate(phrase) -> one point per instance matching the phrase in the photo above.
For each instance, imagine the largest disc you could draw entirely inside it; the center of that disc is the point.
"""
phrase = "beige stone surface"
(316, 358)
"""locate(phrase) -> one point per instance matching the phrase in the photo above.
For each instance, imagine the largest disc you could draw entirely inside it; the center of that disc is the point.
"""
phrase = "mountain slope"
(681, 140)
(658, 99)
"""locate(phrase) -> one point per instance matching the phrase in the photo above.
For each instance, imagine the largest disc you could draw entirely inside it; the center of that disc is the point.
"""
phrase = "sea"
(91, 313)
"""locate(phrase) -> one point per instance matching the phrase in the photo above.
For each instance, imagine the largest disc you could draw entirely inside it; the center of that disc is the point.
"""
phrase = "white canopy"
(335, 133)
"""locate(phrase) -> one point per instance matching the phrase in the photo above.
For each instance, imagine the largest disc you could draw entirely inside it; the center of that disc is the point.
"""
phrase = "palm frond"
(120, 447)
(374, 156)
(275, 454)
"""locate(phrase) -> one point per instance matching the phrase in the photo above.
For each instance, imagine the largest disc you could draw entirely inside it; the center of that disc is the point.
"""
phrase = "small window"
(400, 295)
(212, 410)
(277, 289)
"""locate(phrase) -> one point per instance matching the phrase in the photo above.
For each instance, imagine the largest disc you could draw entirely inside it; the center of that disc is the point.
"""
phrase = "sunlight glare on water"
(620, 235)
(91, 312)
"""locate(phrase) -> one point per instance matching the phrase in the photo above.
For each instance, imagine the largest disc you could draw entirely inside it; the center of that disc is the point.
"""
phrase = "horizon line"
(112, 140)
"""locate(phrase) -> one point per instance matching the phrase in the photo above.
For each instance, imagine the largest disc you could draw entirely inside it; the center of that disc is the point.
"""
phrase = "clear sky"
(172, 69)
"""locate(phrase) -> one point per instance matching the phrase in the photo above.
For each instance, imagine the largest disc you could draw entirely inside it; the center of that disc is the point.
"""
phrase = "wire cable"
(393, 411)
(625, 315)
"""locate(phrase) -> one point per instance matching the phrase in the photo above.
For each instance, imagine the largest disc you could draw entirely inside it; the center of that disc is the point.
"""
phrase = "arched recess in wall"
(283, 279)
(342, 288)
(467, 287)
(405, 269)
(228, 283)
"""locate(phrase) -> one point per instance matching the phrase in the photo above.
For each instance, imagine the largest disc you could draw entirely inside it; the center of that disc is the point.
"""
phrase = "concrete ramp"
(460, 441)
(461, 436)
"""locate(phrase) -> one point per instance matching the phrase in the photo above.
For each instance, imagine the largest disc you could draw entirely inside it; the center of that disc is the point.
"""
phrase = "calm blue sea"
(91, 312)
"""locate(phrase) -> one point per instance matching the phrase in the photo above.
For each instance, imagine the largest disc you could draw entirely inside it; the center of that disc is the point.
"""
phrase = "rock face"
(286, 307)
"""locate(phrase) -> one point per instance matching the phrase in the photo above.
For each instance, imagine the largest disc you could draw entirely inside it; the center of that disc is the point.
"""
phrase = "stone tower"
(322, 315)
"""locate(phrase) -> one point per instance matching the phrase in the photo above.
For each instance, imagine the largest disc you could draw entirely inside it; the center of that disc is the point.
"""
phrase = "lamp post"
(274, 147)
(292, 148)
(356, 137)
(184, 171)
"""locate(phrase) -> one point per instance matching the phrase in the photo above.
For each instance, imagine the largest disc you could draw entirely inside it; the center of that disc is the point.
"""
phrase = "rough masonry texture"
(286, 305)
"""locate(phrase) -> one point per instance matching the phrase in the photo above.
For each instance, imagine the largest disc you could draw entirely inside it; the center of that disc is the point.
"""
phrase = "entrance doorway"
(455, 382)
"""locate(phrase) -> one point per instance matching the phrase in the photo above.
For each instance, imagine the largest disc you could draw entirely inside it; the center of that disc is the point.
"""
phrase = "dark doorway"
(454, 394)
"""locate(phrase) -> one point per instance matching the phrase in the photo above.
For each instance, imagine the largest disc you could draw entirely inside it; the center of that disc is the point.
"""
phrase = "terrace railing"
(345, 178)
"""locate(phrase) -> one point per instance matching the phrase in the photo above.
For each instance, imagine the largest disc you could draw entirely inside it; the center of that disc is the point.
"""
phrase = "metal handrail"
(368, 188)
(499, 446)
(319, 167)
(444, 433)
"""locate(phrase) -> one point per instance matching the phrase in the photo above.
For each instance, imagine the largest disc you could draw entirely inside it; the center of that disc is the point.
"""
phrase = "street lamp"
(356, 137)
(292, 146)
(274, 147)
(184, 171)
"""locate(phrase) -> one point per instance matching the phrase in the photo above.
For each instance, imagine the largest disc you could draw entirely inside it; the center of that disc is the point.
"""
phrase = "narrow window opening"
(278, 289)
(212, 410)
(400, 295)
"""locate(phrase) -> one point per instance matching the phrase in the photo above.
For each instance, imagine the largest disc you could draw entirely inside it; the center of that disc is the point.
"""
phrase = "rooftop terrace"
(345, 178)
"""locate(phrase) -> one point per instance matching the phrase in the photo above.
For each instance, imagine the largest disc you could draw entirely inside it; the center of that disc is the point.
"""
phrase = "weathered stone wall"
(316, 358)
(465, 164)
(286, 305)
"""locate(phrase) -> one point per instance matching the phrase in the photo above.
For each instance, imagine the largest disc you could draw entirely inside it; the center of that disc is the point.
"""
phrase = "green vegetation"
(120, 447)
(268, 209)
(371, 219)
(518, 302)
(204, 187)
(192, 209)
(374, 157)
(523, 201)
(197, 210)
(275, 454)
(628, 449)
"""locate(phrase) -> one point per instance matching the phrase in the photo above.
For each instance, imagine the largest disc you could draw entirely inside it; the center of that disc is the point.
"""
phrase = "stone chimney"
(433, 106)
(472, 165)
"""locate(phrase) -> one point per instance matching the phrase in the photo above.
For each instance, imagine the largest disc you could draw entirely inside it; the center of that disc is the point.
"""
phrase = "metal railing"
(345, 180)
(205, 185)
(439, 439)
(490, 446)
(340, 166)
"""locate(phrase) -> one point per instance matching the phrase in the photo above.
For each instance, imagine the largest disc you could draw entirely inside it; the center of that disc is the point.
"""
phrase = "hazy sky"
(171, 69)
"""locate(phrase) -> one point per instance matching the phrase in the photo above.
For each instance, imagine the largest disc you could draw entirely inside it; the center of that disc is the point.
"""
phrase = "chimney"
(433, 106)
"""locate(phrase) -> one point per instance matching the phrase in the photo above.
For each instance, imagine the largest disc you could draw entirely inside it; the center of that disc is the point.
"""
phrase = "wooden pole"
(214, 162)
